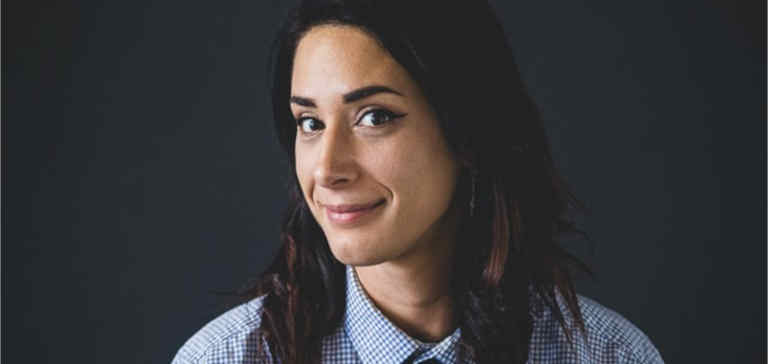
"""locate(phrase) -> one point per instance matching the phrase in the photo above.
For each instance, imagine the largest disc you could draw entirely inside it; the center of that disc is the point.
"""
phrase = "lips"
(343, 208)
(351, 215)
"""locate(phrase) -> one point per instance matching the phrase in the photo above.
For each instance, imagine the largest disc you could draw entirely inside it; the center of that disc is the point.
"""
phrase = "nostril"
(335, 174)
(338, 181)
(332, 178)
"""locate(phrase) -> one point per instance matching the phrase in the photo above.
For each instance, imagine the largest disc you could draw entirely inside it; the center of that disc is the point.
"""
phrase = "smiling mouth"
(346, 215)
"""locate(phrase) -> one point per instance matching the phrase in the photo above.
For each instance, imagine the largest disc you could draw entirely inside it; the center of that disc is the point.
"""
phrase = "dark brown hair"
(507, 251)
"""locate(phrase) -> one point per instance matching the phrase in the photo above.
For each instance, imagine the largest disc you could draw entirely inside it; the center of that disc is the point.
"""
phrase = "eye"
(309, 125)
(376, 117)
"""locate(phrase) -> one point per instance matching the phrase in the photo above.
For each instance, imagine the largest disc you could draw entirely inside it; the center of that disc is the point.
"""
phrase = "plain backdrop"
(141, 174)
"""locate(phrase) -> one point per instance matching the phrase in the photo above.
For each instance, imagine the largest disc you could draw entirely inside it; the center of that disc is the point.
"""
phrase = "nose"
(335, 166)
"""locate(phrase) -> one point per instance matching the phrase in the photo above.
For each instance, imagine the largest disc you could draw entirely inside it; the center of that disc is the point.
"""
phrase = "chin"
(354, 253)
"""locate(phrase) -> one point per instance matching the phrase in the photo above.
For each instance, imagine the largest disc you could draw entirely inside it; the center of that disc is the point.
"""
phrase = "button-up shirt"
(366, 336)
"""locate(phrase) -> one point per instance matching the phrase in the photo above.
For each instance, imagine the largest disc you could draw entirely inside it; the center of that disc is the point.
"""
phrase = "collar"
(378, 340)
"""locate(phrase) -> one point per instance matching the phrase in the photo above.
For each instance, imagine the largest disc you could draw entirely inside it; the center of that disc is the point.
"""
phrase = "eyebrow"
(349, 97)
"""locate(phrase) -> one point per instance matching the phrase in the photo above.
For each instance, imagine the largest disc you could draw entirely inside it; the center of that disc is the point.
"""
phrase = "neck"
(414, 290)
(417, 301)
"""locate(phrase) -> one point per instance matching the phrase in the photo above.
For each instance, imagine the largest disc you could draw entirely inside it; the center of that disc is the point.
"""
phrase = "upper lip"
(340, 208)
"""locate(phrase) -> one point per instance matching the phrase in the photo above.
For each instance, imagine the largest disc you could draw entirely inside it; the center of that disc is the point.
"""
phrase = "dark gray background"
(141, 173)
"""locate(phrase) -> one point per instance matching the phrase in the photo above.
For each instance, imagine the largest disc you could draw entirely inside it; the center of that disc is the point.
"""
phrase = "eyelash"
(391, 116)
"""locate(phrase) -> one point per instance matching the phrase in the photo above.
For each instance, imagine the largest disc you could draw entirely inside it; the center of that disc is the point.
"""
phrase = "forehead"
(335, 59)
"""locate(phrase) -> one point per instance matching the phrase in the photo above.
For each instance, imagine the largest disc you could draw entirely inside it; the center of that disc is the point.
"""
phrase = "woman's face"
(371, 160)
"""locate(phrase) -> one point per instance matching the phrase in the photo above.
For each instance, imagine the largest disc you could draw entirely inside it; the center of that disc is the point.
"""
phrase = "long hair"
(508, 247)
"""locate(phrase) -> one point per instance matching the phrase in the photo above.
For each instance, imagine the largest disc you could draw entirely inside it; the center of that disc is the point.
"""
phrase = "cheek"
(419, 170)
(304, 172)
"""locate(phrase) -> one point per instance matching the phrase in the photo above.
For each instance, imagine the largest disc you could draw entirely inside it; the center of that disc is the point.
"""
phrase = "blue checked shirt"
(366, 336)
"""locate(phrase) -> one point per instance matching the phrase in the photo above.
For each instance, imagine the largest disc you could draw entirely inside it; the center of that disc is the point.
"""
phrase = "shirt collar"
(378, 340)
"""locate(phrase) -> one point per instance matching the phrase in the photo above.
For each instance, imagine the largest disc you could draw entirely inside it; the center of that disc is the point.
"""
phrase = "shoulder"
(231, 337)
(609, 337)
(612, 335)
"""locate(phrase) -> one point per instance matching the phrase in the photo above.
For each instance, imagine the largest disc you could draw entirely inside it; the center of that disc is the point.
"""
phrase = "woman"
(426, 208)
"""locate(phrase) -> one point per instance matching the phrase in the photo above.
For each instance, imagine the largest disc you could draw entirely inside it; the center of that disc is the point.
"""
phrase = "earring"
(473, 198)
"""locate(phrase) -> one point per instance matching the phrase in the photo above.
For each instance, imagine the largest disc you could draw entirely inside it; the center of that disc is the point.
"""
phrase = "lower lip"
(350, 218)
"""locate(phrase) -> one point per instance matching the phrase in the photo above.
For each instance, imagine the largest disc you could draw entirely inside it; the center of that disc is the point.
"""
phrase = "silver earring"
(473, 198)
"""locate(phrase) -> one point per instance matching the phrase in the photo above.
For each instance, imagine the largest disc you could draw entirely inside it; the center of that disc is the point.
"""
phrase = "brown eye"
(309, 125)
(377, 117)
